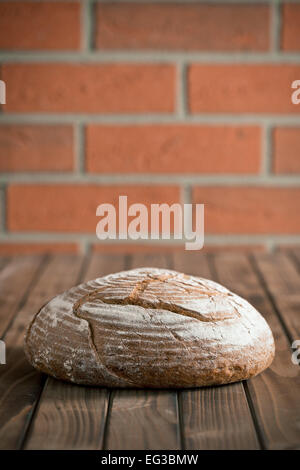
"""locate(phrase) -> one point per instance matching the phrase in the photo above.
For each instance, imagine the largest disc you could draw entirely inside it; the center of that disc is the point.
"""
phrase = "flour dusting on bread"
(149, 327)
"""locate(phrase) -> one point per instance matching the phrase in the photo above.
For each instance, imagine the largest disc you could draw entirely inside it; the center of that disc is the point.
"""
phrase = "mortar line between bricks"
(275, 25)
(186, 194)
(242, 180)
(181, 91)
(187, 198)
(3, 208)
(79, 148)
(266, 160)
(150, 118)
(85, 240)
(150, 57)
(270, 246)
(87, 25)
(85, 247)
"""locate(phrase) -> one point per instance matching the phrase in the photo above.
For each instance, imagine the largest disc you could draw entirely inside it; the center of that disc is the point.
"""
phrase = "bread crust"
(152, 328)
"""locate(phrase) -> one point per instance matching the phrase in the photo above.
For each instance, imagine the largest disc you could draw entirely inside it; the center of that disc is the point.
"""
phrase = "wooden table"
(38, 412)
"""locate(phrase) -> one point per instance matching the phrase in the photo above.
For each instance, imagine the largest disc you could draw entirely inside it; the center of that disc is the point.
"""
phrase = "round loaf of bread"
(149, 327)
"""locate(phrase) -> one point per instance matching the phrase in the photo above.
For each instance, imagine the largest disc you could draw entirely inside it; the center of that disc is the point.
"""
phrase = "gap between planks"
(20, 384)
(18, 277)
(244, 383)
(62, 410)
(215, 417)
(57, 425)
(274, 392)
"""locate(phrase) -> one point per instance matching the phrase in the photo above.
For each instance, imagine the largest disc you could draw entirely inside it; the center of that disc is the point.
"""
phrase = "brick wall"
(162, 101)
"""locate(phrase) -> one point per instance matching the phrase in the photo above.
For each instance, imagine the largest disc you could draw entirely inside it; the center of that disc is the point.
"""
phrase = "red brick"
(36, 148)
(91, 88)
(187, 27)
(7, 249)
(249, 88)
(286, 143)
(290, 39)
(72, 208)
(173, 149)
(39, 25)
(231, 210)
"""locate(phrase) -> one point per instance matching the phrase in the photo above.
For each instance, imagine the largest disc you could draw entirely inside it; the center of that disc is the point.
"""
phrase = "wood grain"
(283, 283)
(101, 265)
(214, 417)
(20, 384)
(4, 260)
(191, 263)
(155, 260)
(217, 418)
(67, 416)
(143, 419)
(295, 254)
(15, 278)
(274, 393)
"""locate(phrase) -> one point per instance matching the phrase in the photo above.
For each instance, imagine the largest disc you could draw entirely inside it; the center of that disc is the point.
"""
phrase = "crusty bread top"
(164, 290)
(147, 325)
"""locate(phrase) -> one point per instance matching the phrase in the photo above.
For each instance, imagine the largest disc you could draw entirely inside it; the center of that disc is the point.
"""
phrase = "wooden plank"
(155, 260)
(214, 417)
(144, 419)
(274, 393)
(101, 265)
(3, 261)
(295, 254)
(70, 416)
(283, 283)
(15, 279)
(191, 263)
(20, 384)
(217, 418)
